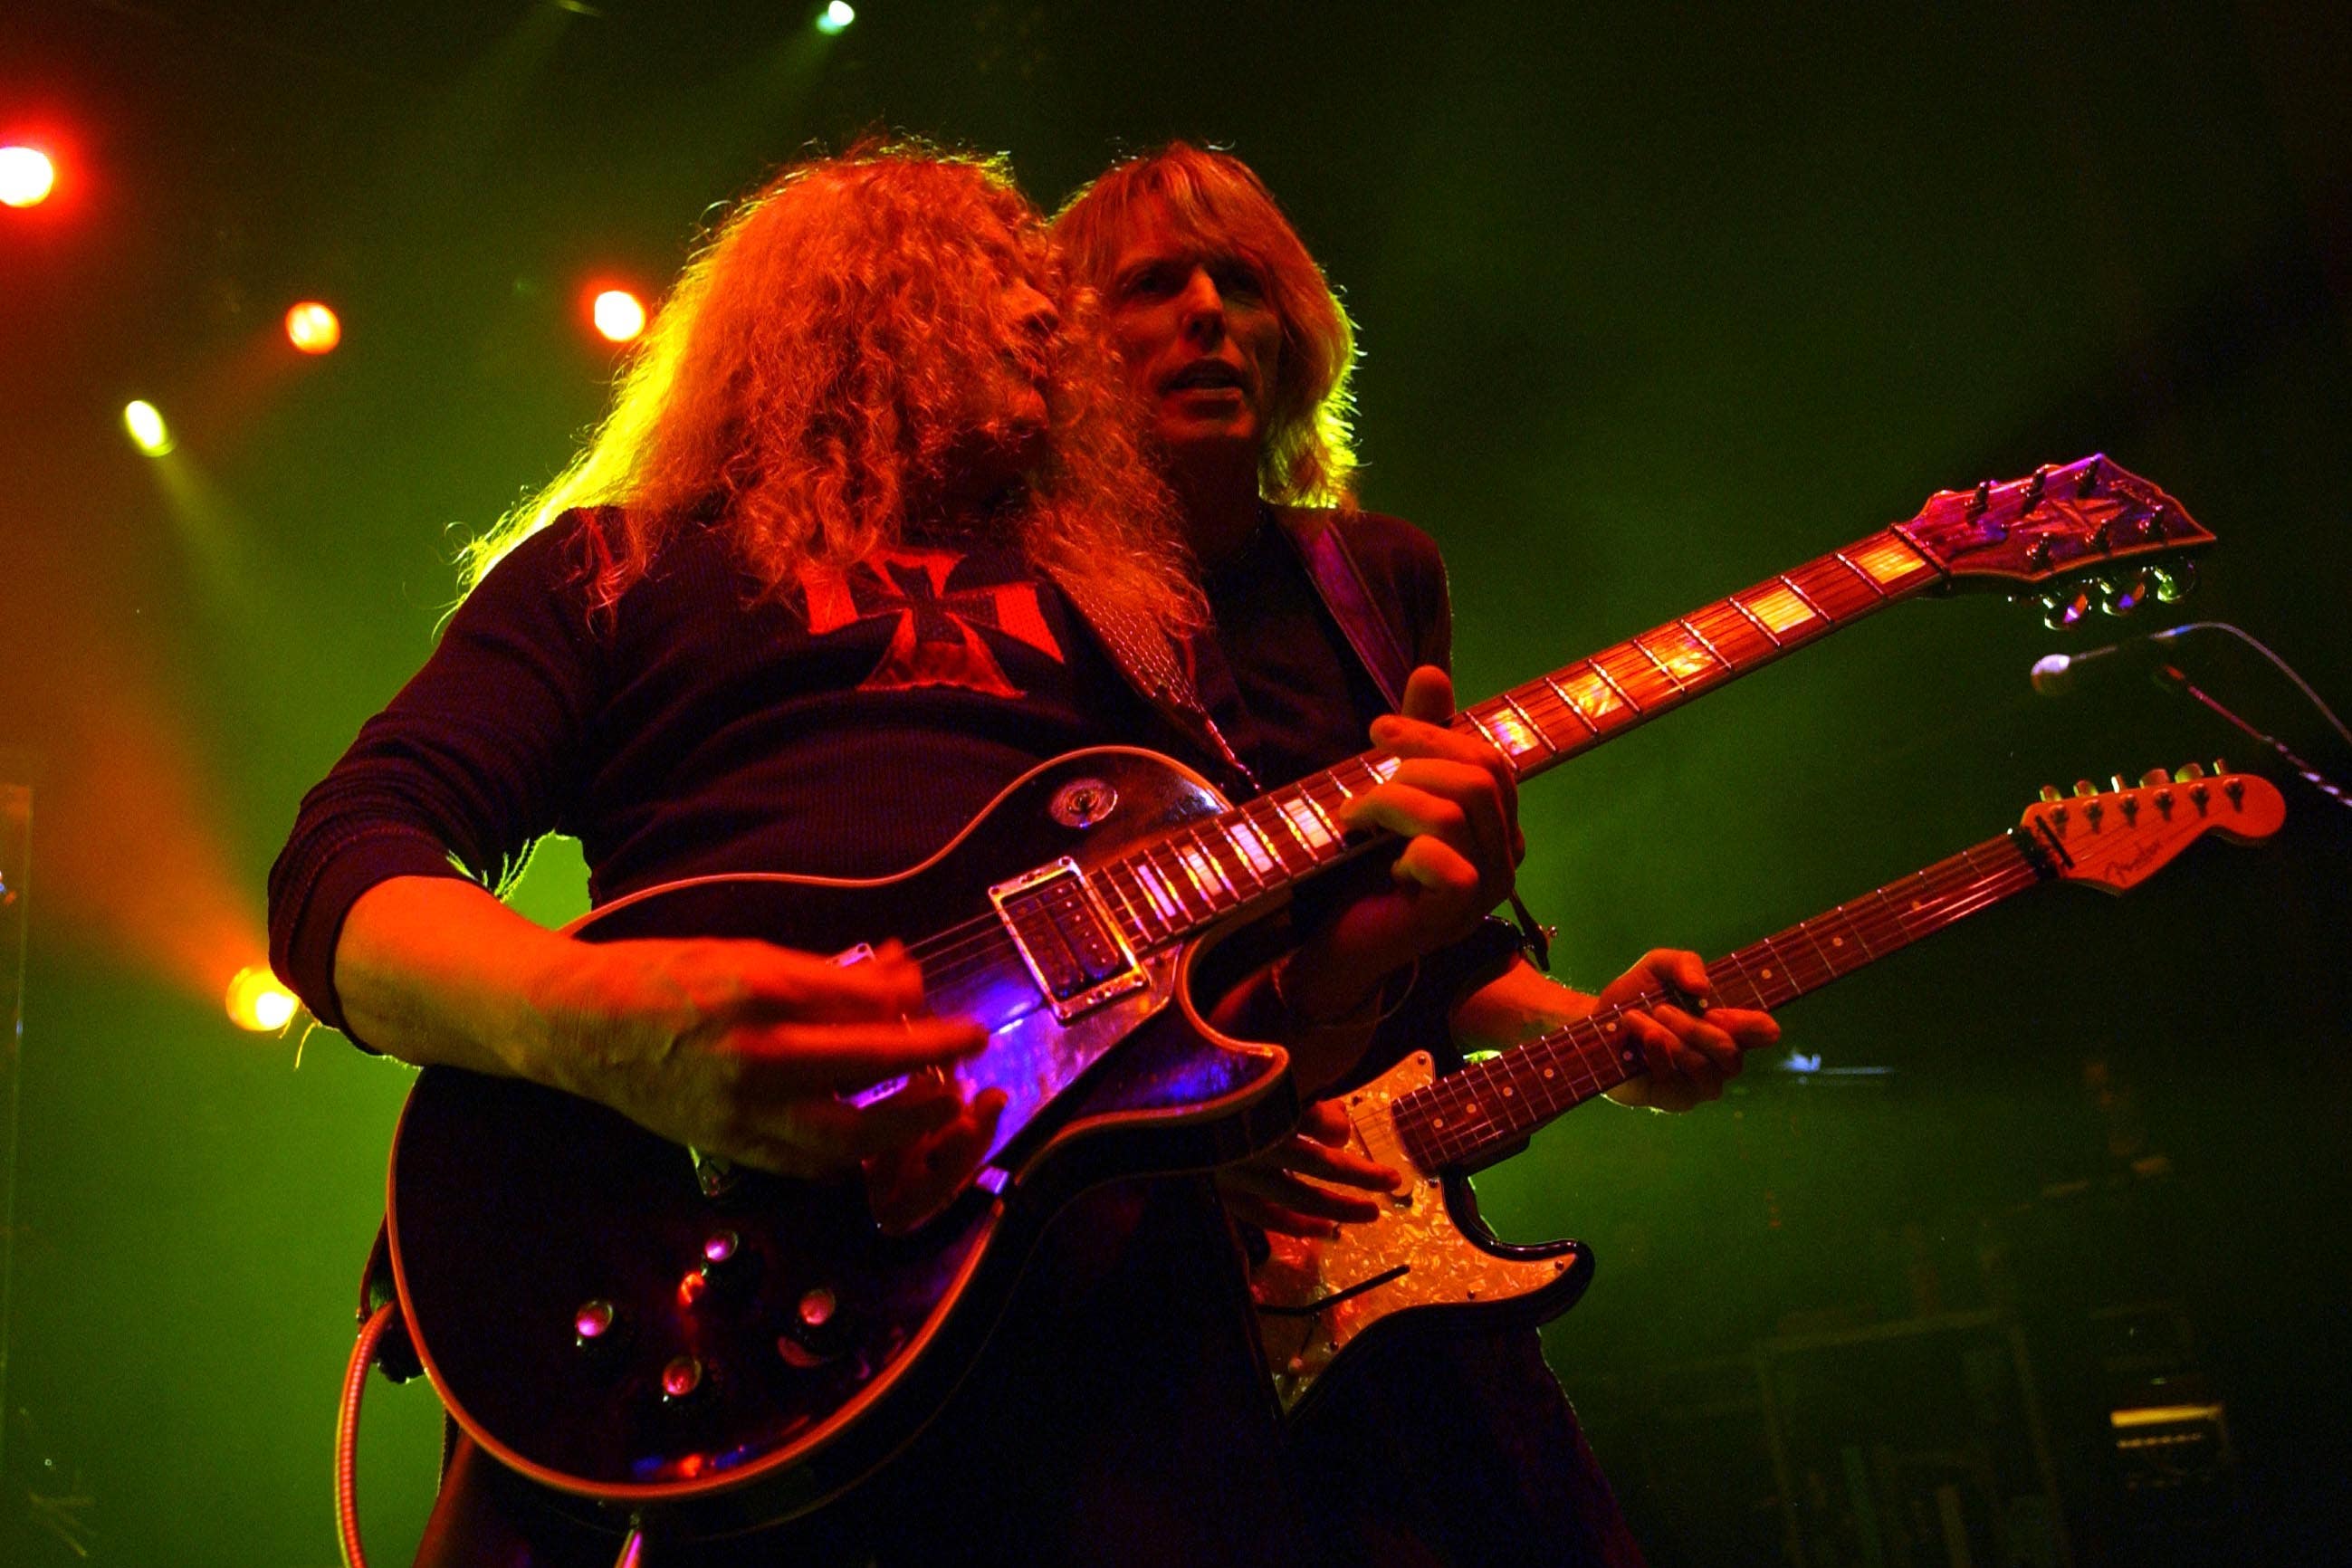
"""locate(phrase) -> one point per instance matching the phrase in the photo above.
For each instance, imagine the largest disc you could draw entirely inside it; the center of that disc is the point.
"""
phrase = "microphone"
(2057, 674)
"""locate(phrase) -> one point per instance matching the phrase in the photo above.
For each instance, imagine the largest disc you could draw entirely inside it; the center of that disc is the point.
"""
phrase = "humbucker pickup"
(1067, 938)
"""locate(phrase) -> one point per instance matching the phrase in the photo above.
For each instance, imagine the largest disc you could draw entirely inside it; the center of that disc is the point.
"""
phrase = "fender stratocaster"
(1429, 1261)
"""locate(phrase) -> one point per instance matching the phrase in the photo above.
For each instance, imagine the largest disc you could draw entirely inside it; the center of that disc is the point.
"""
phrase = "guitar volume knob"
(815, 1333)
(600, 1333)
(599, 1325)
(682, 1378)
(728, 1265)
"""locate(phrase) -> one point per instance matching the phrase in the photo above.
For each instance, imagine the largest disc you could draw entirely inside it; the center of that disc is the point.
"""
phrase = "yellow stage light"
(313, 328)
(145, 423)
(257, 1001)
(618, 314)
(27, 176)
(835, 18)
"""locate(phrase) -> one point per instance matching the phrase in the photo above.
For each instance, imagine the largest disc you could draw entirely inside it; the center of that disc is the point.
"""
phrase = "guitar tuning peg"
(2175, 580)
(2085, 788)
(2033, 489)
(2153, 777)
(2123, 601)
(2052, 795)
(1977, 502)
(2059, 613)
(2219, 767)
(2188, 773)
(2117, 780)
(2089, 482)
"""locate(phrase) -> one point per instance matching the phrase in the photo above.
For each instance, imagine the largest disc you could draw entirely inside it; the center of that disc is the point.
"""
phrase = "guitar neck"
(1177, 886)
(1470, 1116)
(1570, 710)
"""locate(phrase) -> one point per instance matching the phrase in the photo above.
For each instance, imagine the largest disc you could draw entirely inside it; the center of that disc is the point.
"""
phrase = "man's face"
(1199, 339)
(1016, 396)
(1006, 417)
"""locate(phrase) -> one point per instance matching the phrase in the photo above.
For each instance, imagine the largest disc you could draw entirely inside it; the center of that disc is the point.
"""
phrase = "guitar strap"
(1150, 661)
(1323, 550)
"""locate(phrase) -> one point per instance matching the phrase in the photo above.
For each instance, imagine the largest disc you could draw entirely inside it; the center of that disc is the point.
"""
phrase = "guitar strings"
(964, 950)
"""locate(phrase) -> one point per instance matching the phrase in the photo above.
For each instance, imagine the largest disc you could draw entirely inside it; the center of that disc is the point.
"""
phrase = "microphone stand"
(2169, 677)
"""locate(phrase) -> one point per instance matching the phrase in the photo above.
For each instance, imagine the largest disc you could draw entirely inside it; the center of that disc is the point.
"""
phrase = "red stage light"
(619, 315)
(313, 328)
(257, 1001)
(27, 176)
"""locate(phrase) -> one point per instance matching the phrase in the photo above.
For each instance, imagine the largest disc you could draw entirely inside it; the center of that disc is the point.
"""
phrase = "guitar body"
(1428, 1263)
(603, 1324)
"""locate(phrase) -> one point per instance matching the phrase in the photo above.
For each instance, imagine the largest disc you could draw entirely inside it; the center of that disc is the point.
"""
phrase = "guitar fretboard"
(1490, 1105)
(1171, 888)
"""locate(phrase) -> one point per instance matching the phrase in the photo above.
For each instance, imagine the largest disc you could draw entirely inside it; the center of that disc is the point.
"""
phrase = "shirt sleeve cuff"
(309, 963)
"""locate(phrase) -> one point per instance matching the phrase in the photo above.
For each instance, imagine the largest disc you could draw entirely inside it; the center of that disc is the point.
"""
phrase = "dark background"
(1654, 303)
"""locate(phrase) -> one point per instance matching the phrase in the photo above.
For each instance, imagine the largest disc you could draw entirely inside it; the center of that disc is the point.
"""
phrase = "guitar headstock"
(2087, 533)
(2117, 838)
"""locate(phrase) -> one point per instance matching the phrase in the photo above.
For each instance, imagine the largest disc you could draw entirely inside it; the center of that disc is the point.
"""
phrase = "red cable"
(347, 1436)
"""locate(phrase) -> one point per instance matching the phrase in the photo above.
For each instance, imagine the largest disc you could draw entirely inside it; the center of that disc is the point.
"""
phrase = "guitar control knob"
(600, 1330)
(682, 1377)
(815, 1333)
(726, 1264)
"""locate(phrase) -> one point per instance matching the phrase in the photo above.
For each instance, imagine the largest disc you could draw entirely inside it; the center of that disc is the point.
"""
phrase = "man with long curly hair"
(1238, 353)
(836, 568)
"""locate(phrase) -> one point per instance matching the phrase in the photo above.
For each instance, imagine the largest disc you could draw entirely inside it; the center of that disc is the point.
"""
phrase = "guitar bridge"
(1067, 938)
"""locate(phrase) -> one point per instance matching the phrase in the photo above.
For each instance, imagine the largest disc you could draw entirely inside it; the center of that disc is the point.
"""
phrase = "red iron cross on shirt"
(936, 641)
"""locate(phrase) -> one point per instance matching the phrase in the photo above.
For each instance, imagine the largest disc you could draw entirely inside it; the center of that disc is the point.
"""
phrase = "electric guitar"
(1429, 1261)
(654, 1335)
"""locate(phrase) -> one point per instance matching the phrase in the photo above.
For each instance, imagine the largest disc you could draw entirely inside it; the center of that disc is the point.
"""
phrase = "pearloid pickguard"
(1441, 1264)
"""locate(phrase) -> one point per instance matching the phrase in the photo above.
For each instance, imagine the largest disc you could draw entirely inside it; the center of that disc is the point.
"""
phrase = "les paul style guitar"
(1428, 1261)
(659, 1336)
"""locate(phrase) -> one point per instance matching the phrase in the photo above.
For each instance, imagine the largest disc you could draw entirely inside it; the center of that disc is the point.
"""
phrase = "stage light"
(618, 314)
(313, 328)
(835, 18)
(257, 1001)
(145, 423)
(27, 176)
